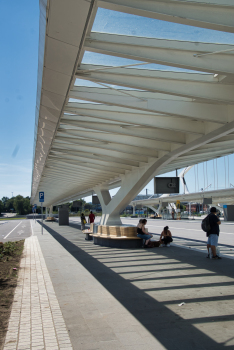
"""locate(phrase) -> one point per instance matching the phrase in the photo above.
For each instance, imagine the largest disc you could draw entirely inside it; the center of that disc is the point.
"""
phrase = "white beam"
(150, 145)
(166, 52)
(216, 15)
(91, 155)
(196, 110)
(153, 134)
(133, 116)
(67, 143)
(192, 85)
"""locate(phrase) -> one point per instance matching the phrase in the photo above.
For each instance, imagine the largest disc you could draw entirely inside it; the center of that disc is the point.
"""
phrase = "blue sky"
(19, 27)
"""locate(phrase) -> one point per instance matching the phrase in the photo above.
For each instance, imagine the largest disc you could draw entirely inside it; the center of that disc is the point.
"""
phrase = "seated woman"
(166, 237)
(141, 232)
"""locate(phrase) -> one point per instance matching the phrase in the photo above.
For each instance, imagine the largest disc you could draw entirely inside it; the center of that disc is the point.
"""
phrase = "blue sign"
(41, 196)
(34, 206)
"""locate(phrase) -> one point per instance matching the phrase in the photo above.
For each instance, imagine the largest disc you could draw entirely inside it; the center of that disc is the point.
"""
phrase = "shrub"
(7, 248)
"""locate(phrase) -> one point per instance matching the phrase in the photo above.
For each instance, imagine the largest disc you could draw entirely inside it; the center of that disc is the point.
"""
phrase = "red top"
(91, 218)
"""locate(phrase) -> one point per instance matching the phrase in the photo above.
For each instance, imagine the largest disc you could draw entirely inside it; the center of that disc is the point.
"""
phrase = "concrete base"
(118, 243)
(88, 237)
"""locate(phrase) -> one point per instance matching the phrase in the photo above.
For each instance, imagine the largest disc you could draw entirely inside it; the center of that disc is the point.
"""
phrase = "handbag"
(84, 222)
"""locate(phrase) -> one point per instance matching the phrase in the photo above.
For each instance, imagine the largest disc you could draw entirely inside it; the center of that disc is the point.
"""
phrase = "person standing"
(83, 221)
(173, 213)
(213, 233)
(91, 217)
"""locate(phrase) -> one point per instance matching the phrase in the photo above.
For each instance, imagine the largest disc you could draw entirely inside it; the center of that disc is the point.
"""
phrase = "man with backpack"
(213, 232)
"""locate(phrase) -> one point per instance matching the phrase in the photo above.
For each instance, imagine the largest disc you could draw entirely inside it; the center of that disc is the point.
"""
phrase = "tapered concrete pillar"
(108, 217)
(51, 210)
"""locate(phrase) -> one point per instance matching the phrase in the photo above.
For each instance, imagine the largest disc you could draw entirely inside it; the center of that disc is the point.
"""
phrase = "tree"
(4, 201)
(1, 207)
(10, 204)
(19, 204)
(22, 205)
(27, 206)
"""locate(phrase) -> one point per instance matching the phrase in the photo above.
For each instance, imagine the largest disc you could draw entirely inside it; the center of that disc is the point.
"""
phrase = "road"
(14, 230)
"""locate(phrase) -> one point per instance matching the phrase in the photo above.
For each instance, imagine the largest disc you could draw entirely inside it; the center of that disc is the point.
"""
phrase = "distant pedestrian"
(173, 213)
(213, 233)
(91, 217)
(83, 221)
(166, 237)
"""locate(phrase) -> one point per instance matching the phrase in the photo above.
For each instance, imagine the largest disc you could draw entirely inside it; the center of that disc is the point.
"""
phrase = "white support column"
(51, 210)
(134, 210)
(133, 182)
(107, 216)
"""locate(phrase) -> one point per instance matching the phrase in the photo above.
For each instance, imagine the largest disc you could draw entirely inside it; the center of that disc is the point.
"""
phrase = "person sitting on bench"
(141, 232)
(166, 237)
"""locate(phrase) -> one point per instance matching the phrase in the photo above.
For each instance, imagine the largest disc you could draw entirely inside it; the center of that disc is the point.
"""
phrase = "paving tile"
(35, 308)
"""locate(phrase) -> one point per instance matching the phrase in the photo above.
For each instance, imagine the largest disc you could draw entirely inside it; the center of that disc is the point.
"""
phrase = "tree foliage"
(1, 207)
(19, 204)
(22, 205)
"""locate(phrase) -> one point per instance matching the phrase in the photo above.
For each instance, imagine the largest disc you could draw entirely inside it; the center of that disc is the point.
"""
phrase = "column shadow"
(170, 329)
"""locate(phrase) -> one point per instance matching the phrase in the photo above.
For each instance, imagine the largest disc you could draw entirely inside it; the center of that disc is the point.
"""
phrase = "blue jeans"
(144, 236)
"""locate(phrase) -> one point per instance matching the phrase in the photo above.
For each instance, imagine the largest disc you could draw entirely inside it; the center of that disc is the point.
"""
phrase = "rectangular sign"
(166, 185)
(95, 200)
(41, 196)
(207, 200)
(77, 204)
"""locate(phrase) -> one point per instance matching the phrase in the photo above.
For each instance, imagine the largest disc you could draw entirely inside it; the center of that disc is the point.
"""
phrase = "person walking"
(91, 217)
(213, 233)
(83, 221)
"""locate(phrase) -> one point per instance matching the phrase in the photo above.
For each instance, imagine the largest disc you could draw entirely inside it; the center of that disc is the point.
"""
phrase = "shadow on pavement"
(173, 329)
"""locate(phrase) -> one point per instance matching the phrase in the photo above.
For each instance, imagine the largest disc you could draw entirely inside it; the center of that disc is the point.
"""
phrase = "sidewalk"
(119, 299)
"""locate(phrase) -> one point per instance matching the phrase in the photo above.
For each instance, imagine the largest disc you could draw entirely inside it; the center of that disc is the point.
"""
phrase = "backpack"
(205, 225)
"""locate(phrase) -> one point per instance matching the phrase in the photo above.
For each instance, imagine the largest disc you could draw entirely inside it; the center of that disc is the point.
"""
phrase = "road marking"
(19, 232)
(12, 230)
(189, 229)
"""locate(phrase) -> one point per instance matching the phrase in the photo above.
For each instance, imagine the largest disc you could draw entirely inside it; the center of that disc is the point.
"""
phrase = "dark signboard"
(166, 185)
(207, 200)
(77, 204)
(95, 200)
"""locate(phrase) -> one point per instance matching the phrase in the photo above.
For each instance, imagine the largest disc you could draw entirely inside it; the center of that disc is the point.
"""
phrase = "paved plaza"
(82, 296)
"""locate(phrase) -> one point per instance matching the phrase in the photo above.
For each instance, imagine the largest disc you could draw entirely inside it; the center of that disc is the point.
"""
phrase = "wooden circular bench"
(50, 218)
(117, 237)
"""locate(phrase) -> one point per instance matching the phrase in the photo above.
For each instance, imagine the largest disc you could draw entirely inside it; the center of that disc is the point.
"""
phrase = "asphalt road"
(14, 230)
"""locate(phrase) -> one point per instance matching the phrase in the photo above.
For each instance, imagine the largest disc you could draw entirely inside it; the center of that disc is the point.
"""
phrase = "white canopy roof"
(87, 136)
